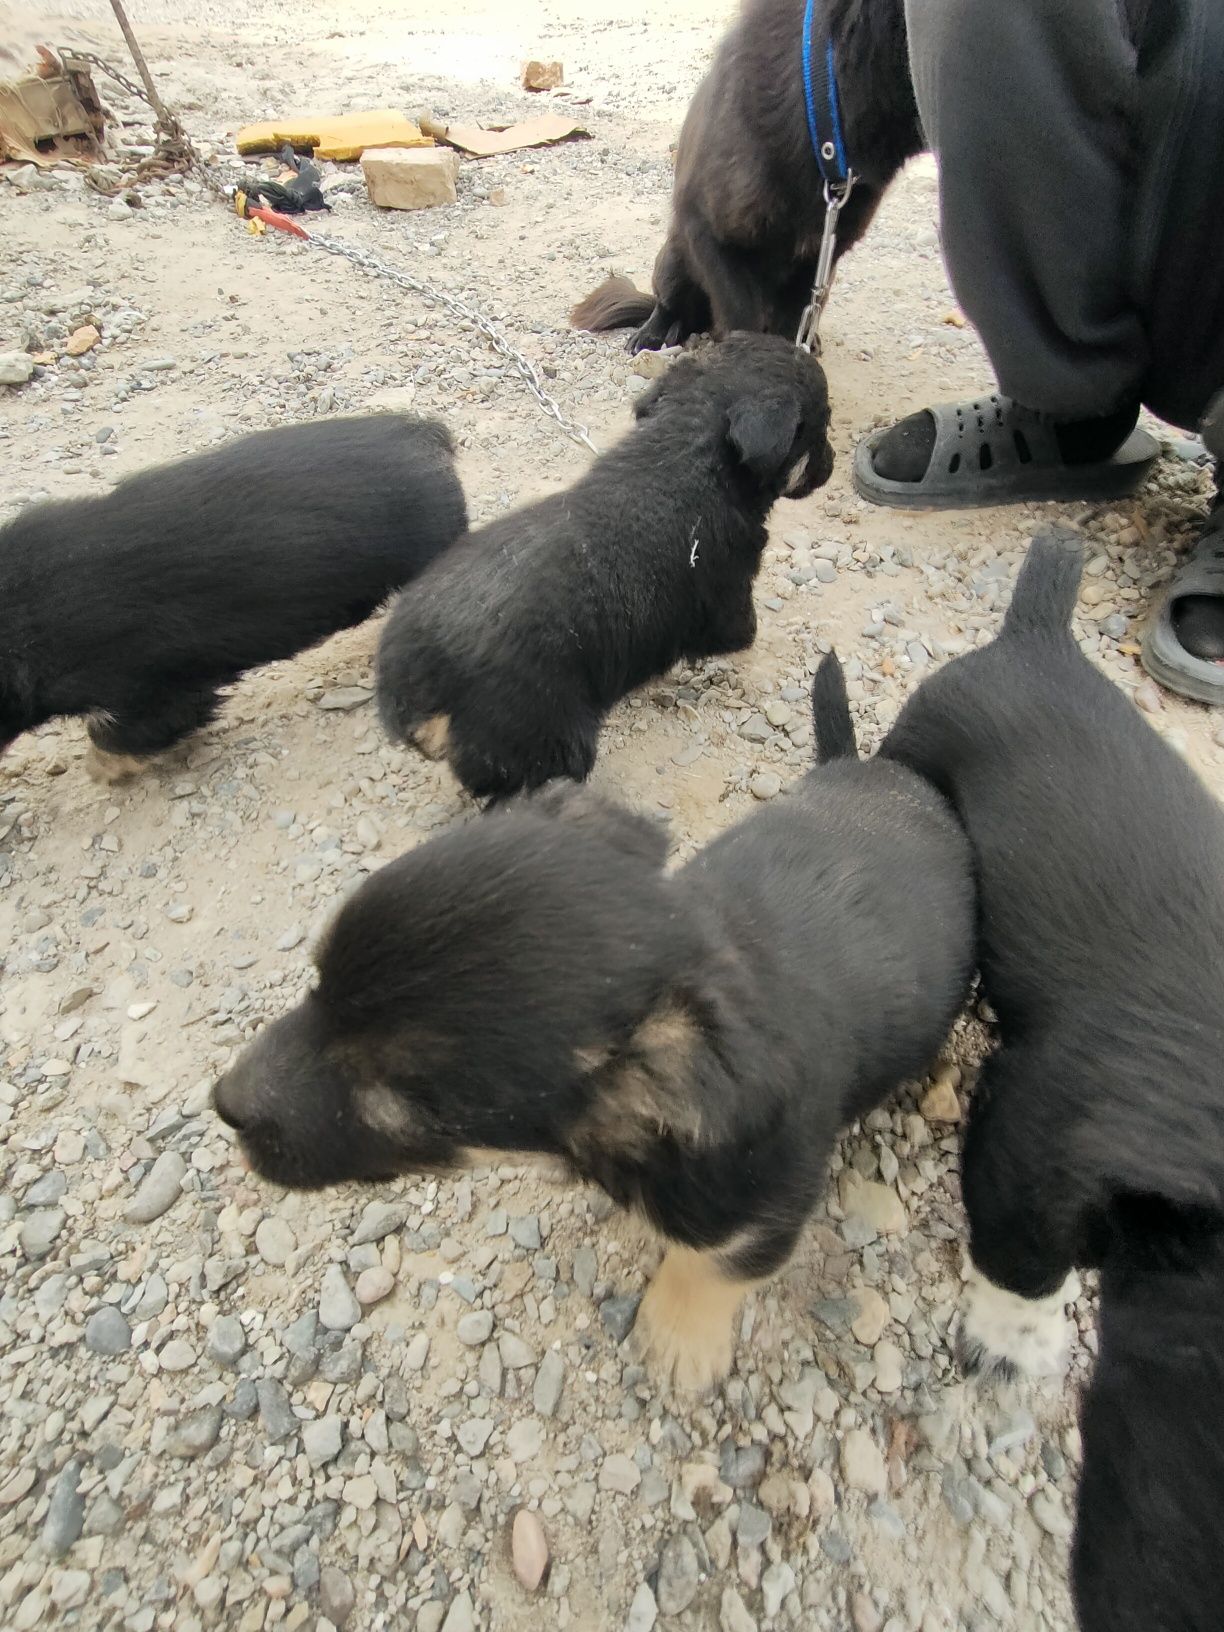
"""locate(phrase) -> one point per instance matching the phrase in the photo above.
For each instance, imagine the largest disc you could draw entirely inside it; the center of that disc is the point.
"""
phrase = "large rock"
(410, 178)
(15, 367)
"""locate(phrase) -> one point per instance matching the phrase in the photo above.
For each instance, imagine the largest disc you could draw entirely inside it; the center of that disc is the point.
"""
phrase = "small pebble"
(529, 1550)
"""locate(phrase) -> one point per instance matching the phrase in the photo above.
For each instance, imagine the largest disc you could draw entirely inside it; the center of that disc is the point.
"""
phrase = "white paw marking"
(1002, 1334)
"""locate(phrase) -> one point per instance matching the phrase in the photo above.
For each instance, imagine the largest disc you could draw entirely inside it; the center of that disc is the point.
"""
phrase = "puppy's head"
(772, 402)
(468, 995)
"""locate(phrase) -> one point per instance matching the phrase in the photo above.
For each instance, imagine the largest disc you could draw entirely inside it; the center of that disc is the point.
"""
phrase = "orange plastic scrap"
(333, 136)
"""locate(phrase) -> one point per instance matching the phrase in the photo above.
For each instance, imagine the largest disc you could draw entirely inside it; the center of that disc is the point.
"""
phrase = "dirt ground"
(236, 1461)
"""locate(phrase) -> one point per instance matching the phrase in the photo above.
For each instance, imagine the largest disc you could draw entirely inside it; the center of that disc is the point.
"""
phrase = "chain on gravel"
(177, 151)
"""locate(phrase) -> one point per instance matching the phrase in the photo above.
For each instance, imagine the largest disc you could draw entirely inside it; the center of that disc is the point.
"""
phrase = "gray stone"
(40, 1231)
(336, 1595)
(345, 697)
(618, 1314)
(159, 1189)
(475, 1329)
(461, 1616)
(825, 571)
(1114, 626)
(549, 1382)
(379, 1219)
(339, 1310)
(679, 1576)
(276, 1416)
(835, 1546)
(65, 1514)
(107, 1332)
(105, 1516)
(274, 1241)
(777, 1584)
(322, 1440)
(733, 1613)
(586, 1267)
(15, 367)
(473, 1435)
(515, 1352)
(45, 1192)
(245, 1402)
(195, 1433)
(643, 1611)
(525, 1232)
(226, 1340)
(742, 1466)
(754, 1525)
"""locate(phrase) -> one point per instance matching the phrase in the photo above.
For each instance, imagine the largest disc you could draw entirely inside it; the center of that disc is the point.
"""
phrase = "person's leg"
(1028, 111)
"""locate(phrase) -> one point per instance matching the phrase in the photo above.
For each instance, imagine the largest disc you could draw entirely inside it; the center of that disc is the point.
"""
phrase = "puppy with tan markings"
(137, 607)
(507, 656)
(693, 1043)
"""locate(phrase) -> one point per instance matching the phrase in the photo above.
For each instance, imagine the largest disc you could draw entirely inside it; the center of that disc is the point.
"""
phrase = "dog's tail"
(1151, 1475)
(616, 304)
(1048, 583)
(831, 713)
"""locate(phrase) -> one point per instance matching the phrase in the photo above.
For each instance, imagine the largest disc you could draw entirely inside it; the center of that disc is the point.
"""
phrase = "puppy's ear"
(762, 431)
(643, 1091)
(625, 830)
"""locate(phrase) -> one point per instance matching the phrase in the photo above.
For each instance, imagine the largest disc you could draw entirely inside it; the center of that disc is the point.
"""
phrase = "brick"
(410, 178)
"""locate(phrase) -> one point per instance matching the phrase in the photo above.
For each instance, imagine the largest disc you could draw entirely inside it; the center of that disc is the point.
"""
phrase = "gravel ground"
(225, 1407)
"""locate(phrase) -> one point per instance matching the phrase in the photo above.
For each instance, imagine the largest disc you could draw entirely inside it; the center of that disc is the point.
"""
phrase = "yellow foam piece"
(333, 136)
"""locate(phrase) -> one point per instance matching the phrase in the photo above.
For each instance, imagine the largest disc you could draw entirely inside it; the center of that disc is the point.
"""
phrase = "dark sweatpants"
(1081, 156)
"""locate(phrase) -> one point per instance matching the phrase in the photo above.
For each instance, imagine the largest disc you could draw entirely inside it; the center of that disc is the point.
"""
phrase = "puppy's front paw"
(111, 769)
(685, 1324)
(433, 738)
(1006, 1337)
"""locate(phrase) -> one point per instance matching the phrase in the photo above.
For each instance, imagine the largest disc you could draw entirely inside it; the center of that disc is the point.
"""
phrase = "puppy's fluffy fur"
(134, 608)
(748, 199)
(1097, 1131)
(507, 654)
(692, 1043)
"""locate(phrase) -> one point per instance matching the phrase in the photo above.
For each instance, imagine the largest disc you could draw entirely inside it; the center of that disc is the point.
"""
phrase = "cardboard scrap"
(333, 136)
(538, 132)
(52, 114)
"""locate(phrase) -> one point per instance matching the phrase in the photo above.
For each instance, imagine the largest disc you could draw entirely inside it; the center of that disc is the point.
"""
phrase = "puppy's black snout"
(226, 1104)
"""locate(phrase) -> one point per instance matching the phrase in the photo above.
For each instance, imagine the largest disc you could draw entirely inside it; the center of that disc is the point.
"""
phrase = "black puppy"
(134, 608)
(748, 198)
(506, 656)
(1097, 1131)
(534, 982)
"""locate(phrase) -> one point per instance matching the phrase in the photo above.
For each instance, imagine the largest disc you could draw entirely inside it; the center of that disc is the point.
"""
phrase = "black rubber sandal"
(995, 452)
(1163, 656)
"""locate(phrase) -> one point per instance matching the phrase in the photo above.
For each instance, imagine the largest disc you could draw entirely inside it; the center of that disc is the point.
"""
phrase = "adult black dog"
(748, 199)
(1097, 1131)
(506, 655)
(533, 981)
(135, 608)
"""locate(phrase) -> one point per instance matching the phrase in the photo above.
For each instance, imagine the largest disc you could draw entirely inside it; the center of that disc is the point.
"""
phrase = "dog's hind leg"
(1023, 1229)
(124, 738)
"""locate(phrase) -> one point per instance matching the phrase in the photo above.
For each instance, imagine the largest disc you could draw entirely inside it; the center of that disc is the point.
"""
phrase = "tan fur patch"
(111, 768)
(433, 738)
(643, 1093)
(685, 1328)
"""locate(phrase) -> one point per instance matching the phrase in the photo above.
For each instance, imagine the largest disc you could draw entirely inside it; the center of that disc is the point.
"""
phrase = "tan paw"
(111, 768)
(685, 1328)
(433, 738)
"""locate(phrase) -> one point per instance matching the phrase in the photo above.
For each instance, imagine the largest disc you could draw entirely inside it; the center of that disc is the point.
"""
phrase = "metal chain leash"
(466, 313)
(177, 149)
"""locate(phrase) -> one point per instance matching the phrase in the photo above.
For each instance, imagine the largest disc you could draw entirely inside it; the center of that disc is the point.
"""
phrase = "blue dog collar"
(823, 109)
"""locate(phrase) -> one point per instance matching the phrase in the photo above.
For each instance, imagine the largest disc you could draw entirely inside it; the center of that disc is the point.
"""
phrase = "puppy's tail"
(1048, 583)
(831, 713)
(616, 304)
